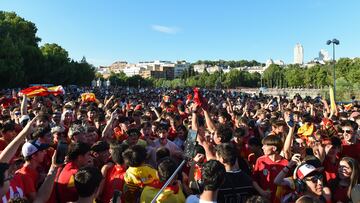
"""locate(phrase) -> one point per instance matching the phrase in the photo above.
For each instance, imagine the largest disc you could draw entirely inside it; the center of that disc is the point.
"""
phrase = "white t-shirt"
(196, 199)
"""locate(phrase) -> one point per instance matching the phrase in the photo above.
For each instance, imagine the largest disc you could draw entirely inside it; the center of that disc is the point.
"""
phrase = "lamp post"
(334, 42)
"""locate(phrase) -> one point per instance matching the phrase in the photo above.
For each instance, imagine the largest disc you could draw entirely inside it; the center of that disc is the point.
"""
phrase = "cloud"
(165, 29)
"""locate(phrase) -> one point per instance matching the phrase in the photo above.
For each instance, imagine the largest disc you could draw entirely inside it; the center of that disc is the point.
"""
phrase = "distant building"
(213, 69)
(200, 68)
(298, 54)
(118, 66)
(323, 56)
(254, 69)
(131, 71)
(279, 62)
(180, 67)
(104, 71)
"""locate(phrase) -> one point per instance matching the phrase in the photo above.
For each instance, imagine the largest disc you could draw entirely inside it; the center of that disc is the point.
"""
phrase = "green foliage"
(22, 62)
(274, 76)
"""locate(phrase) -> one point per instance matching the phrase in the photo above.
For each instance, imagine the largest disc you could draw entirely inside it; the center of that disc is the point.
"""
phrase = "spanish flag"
(35, 91)
(42, 91)
(88, 97)
(56, 90)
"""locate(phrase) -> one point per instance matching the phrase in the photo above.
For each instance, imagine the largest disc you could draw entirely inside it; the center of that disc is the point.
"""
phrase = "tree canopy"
(23, 62)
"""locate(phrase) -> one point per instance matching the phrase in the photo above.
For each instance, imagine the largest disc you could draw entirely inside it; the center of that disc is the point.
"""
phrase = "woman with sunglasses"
(346, 179)
(306, 180)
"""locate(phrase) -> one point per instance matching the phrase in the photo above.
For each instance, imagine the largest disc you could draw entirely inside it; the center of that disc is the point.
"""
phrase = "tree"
(274, 76)
(294, 75)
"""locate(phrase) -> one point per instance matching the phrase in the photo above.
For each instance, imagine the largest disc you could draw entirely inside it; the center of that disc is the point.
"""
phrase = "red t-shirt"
(64, 189)
(114, 180)
(265, 171)
(351, 151)
(30, 179)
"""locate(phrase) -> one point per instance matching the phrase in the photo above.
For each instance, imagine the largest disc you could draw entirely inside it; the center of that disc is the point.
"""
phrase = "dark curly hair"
(213, 175)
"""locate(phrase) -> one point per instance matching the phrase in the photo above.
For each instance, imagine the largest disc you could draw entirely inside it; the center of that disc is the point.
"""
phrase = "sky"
(132, 30)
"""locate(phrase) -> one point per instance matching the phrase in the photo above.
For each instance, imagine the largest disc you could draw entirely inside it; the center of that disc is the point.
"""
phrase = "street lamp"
(334, 42)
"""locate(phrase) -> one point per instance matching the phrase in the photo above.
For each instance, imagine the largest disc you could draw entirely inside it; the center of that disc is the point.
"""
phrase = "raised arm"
(209, 122)
(107, 132)
(288, 141)
(280, 178)
(23, 107)
(9, 152)
(44, 192)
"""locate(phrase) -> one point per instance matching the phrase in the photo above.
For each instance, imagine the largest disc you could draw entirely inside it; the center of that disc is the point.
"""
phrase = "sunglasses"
(314, 179)
(347, 131)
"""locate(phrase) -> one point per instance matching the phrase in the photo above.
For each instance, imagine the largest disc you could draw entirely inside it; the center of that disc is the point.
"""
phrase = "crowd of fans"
(123, 145)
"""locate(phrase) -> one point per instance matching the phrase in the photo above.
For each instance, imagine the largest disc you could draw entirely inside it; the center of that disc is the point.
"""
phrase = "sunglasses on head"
(315, 178)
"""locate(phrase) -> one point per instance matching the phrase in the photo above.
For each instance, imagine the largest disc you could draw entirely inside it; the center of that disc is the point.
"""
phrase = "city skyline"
(230, 30)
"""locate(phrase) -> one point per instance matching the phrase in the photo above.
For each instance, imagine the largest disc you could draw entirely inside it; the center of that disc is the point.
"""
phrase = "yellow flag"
(332, 100)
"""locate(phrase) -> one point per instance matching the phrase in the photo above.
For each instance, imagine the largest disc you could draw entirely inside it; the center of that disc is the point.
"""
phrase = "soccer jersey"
(114, 180)
(265, 172)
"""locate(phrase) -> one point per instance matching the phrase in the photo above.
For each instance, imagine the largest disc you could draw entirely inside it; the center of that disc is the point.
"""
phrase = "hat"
(24, 118)
(76, 129)
(304, 170)
(100, 146)
(57, 129)
(31, 147)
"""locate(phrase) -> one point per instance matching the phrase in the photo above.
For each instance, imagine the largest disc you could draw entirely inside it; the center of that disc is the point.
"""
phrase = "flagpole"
(168, 181)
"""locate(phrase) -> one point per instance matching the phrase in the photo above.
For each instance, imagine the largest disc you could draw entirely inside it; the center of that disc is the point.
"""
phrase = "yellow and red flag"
(56, 90)
(42, 91)
(88, 97)
(35, 91)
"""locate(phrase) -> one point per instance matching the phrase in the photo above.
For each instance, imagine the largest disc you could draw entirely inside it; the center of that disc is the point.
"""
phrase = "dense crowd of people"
(123, 145)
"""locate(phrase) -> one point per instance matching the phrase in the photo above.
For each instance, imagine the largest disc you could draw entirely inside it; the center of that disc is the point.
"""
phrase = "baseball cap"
(24, 118)
(305, 170)
(31, 147)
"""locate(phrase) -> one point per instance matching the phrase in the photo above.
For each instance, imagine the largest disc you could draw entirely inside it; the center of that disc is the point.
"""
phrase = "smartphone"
(291, 121)
(190, 143)
(61, 152)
